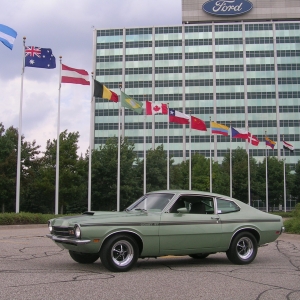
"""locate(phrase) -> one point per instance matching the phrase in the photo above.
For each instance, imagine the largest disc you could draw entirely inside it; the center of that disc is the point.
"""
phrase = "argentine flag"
(7, 36)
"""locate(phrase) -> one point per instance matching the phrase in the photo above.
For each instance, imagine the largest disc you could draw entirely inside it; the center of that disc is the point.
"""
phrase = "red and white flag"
(252, 139)
(71, 75)
(288, 146)
(178, 117)
(156, 108)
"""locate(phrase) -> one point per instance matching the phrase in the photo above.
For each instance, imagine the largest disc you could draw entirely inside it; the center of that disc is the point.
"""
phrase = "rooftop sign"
(225, 8)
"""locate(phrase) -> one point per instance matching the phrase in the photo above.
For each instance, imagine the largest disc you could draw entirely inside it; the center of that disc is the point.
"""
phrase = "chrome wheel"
(244, 248)
(119, 253)
(122, 253)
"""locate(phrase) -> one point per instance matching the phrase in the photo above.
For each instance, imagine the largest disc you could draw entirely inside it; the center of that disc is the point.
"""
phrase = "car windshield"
(154, 202)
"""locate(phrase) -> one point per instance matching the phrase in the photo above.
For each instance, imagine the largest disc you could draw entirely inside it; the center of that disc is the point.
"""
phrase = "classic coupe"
(171, 222)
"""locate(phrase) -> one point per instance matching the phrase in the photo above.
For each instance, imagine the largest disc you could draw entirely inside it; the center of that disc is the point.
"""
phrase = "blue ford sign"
(224, 8)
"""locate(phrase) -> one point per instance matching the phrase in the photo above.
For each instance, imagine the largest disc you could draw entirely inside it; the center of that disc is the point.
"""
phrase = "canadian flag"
(252, 139)
(156, 108)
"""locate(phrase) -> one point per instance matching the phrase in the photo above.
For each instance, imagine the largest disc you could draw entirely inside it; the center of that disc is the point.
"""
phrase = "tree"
(104, 175)
(72, 189)
(295, 190)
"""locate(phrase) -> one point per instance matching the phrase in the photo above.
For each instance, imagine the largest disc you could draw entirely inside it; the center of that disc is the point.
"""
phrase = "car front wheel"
(243, 249)
(119, 253)
(84, 258)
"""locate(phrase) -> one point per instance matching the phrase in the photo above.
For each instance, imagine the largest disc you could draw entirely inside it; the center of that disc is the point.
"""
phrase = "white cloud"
(65, 27)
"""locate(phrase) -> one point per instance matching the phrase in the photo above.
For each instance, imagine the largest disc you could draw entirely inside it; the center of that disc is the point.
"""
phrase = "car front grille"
(60, 231)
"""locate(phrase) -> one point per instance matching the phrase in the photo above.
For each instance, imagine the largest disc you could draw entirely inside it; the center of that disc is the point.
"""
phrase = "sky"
(65, 26)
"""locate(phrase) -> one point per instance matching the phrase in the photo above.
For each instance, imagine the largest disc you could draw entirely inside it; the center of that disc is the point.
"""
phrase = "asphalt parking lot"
(33, 267)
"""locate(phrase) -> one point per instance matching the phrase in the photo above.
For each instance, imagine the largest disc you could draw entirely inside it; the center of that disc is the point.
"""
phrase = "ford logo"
(227, 7)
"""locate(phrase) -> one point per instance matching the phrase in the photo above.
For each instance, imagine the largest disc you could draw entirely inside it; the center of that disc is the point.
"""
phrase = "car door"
(188, 232)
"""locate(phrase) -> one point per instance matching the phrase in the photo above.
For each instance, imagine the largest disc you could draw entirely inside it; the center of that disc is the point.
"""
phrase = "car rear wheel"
(119, 253)
(243, 249)
(199, 255)
(84, 258)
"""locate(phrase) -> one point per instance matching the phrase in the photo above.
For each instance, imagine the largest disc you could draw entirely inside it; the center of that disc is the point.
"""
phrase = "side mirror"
(182, 210)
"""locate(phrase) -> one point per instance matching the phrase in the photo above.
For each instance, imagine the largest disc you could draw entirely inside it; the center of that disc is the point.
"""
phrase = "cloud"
(67, 28)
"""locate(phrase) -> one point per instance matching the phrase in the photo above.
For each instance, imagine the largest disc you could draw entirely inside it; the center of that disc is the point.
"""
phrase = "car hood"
(97, 217)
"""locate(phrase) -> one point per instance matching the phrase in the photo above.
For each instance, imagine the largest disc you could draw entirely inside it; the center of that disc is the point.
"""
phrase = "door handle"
(215, 218)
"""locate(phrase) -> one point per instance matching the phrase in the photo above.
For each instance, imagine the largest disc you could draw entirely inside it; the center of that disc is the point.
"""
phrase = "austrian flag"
(71, 75)
(156, 108)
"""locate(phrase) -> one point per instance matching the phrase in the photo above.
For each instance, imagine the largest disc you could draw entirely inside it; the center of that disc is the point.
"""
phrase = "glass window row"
(162, 30)
(204, 28)
(259, 40)
(198, 42)
(168, 43)
(229, 41)
(258, 27)
(113, 45)
(138, 31)
(110, 32)
(287, 26)
(139, 44)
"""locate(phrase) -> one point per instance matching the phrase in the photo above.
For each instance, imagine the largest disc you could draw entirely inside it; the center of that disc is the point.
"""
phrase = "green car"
(171, 222)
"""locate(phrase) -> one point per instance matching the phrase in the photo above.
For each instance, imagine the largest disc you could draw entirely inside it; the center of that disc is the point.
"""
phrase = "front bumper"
(67, 240)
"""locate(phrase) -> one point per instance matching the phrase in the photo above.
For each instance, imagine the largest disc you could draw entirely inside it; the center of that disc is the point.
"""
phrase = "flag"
(288, 146)
(156, 108)
(198, 124)
(252, 139)
(71, 75)
(131, 103)
(178, 117)
(239, 133)
(101, 91)
(7, 36)
(270, 143)
(37, 57)
(218, 128)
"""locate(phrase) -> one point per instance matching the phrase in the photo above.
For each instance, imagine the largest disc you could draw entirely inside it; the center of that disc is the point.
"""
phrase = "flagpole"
(57, 143)
(20, 135)
(168, 152)
(284, 179)
(145, 158)
(90, 152)
(249, 182)
(190, 160)
(119, 155)
(230, 161)
(210, 163)
(267, 196)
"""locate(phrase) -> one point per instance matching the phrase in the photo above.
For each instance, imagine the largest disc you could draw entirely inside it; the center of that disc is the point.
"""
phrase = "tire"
(84, 258)
(119, 253)
(199, 255)
(243, 249)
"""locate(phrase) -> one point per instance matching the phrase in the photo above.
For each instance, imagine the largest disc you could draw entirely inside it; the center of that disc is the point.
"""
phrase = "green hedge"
(24, 218)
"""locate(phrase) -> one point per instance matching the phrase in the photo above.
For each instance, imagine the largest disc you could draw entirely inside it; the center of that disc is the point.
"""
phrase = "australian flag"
(39, 58)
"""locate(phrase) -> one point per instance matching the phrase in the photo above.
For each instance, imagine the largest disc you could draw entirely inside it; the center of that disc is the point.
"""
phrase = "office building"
(233, 62)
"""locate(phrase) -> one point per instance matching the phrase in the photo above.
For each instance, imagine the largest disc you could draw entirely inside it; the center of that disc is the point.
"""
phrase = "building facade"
(241, 69)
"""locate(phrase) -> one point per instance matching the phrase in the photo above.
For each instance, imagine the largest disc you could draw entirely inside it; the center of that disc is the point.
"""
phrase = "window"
(226, 206)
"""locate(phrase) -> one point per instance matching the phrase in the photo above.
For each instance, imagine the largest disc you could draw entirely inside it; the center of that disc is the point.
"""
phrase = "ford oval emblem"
(224, 8)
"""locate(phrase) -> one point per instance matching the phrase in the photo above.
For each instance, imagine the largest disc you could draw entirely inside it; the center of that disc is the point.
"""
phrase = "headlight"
(77, 231)
(50, 226)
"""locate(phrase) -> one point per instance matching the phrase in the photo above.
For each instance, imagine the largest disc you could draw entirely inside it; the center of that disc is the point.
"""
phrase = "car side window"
(226, 206)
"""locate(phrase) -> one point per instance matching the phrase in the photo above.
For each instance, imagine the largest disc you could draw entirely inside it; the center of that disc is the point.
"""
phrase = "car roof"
(192, 192)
